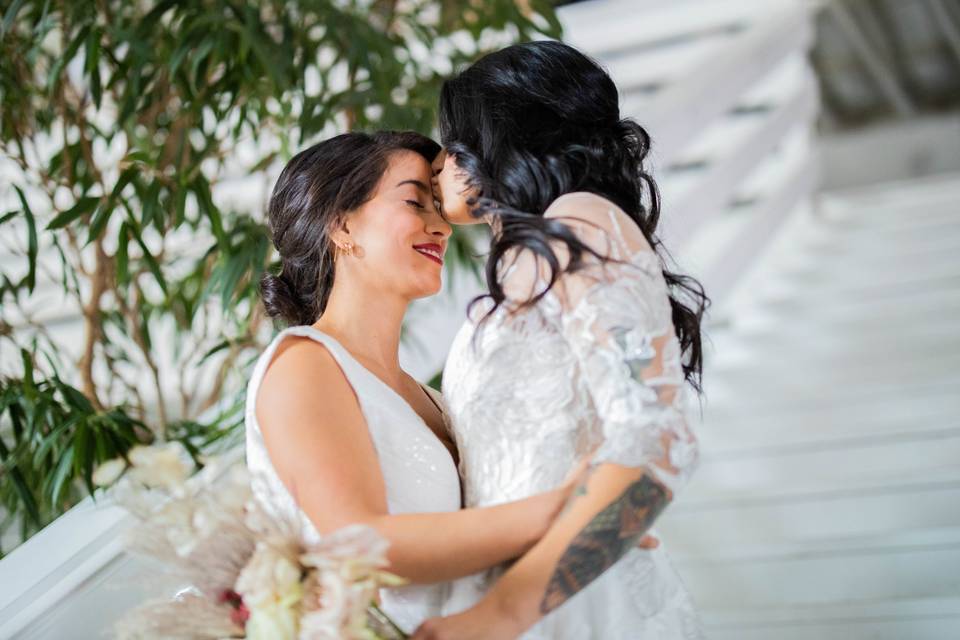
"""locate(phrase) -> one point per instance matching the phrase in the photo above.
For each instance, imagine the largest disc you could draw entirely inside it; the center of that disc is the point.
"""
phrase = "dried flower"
(249, 572)
(166, 466)
(108, 472)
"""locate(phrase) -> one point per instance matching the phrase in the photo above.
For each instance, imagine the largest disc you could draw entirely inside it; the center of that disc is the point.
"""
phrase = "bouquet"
(242, 573)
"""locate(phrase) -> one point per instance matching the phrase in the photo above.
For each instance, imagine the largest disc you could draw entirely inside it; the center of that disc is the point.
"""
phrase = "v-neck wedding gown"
(418, 470)
(592, 366)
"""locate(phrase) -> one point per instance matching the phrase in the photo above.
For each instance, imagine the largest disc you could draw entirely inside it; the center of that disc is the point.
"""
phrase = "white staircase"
(827, 504)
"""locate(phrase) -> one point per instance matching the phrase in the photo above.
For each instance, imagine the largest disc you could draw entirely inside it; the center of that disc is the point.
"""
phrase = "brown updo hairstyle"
(312, 197)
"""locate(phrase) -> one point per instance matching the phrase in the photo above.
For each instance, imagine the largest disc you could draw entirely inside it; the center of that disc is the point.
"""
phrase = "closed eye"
(414, 203)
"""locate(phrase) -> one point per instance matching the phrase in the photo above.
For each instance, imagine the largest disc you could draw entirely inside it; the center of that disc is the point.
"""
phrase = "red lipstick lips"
(431, 250)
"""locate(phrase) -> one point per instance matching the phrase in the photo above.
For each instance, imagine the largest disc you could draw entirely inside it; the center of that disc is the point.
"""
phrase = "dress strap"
(432, 394)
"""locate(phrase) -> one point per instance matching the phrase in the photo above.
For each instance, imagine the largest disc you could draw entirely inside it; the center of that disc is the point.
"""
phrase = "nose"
(438, 162)
(438, 226)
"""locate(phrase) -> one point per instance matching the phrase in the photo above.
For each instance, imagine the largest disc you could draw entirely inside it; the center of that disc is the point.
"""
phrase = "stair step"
(776, 304)
(848, 401)
(914, 618)
(783, 376)
(859, 403)
(797, 340)
(901, 564)
(791, 470)
(718, 444)
(701, 516)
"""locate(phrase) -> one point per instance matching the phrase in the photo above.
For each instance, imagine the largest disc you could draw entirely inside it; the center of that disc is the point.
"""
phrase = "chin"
(427, 286)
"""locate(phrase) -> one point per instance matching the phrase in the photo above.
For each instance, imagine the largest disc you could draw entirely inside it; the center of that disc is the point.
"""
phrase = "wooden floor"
(827, 503)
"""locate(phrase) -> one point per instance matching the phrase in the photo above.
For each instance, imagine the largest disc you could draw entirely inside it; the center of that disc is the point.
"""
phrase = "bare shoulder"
(598, 221)
(524, 273)
(303, 378)
(316, 437)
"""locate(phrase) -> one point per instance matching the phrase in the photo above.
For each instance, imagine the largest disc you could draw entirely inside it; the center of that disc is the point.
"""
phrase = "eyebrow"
(419, 185)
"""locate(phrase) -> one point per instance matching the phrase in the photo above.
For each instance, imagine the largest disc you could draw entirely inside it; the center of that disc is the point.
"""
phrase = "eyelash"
(416, 204)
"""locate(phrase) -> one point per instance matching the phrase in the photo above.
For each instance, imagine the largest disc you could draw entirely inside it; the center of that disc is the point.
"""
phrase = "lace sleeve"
(616, 317)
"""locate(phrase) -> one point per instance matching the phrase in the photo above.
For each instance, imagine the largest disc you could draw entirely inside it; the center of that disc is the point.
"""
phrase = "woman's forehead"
(409, 167)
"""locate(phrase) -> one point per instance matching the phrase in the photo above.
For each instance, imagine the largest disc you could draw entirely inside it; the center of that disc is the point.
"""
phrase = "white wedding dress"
(418, 471)
(594, 365)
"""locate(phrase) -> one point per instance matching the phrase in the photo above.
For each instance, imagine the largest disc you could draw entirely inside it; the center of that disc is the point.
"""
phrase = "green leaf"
(205, 201)
(74, 398)
(21, 487)
(27, 369)
(86, 204)
(92, 50)
(152, 263)
(180, 205)
(10, 16)
(83, 454)
(26, 497)
(151, 204)
(239, 267)
(125, 178)
(122, 255)
(61, 475)
(91, 64)
(100, 220)
(216, 349)
(96, 87)
(52, 439)
(31, 241)
(71, 52)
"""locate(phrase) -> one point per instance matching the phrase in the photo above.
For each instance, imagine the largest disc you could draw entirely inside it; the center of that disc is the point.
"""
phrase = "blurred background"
(809, 158)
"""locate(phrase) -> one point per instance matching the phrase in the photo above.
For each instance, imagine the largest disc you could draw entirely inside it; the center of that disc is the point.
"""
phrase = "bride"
(336, 431)
(585, 343)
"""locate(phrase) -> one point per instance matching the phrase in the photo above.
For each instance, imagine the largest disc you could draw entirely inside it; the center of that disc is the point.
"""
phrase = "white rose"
(272, 622)
(271, 589)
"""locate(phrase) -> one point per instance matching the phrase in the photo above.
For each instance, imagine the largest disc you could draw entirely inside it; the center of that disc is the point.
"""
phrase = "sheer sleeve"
(616, 317)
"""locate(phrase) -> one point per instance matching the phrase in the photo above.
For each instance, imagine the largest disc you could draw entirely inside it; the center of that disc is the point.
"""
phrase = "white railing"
(726, 92)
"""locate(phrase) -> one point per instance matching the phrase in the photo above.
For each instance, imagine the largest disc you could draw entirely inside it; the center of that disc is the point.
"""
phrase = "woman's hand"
(476, 623)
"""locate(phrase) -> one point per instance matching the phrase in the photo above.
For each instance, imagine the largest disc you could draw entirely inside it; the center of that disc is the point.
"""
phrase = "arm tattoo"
(605, 539)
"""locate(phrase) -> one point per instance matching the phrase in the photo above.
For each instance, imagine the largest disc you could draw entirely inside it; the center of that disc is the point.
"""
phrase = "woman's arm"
(594, 532)
(319, 444)
(601, 523)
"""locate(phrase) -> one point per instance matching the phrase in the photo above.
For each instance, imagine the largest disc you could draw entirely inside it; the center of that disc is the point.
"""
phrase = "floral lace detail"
(594, 366)
(619, 327)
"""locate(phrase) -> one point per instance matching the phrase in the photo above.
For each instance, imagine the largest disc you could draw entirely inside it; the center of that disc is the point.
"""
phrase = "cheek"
(396, 236)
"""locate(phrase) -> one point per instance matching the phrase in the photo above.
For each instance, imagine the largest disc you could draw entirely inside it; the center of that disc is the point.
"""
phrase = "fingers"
(649, 542)
(426, 631)
(580, 470)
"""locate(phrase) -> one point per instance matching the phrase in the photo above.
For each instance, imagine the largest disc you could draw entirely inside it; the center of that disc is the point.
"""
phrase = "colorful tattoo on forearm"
(605, 539)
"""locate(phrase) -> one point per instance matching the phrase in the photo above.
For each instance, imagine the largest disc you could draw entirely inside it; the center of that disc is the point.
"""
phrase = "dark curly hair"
(534, 121)
(316, 190)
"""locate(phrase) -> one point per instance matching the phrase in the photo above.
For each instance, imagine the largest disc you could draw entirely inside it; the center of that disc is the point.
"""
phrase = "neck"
(367, 323)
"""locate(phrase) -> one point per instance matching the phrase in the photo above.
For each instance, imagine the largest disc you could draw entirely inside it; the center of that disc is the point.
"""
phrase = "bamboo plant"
(127, 128)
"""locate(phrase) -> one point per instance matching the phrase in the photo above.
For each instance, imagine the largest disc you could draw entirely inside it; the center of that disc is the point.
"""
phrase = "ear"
(341, 234)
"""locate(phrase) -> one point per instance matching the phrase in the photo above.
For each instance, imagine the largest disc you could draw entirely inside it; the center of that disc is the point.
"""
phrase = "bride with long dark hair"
(336, 431)
(586, 344)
